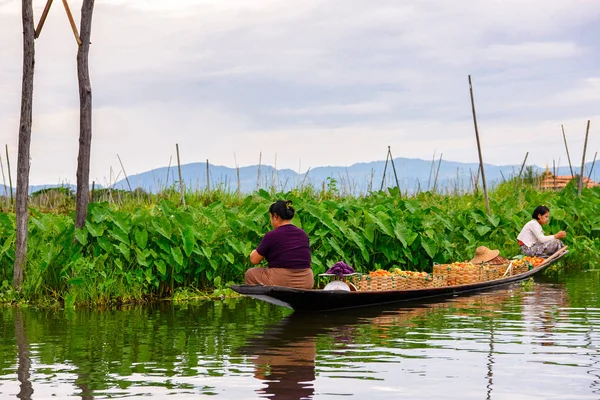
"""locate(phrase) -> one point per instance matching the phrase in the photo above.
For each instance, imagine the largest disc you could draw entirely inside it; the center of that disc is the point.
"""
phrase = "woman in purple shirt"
(287, 251)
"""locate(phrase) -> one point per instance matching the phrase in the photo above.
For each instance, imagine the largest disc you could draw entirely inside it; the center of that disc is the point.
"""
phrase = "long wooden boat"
(314, 300)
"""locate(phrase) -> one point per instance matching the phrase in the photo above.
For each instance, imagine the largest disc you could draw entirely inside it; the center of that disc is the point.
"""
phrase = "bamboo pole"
(485, 194)
(592, 167)
(12, 200)
(125, 173)
(168, 171)
(431, 169)
(305, 176)
(394, 169)
(275, 175)
(587, 132)
(436, 173)
(4, 180)
(554, 174)
(522, 167)
(258, 171)
(181, 185)
(384, 169)
(40, 25)
(567, 148)
(72, 22)
(237, 173)
(207, 176)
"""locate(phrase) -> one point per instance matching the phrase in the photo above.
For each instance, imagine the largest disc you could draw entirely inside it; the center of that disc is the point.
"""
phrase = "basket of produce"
(524, 264)
(396, 280)
(462, 273)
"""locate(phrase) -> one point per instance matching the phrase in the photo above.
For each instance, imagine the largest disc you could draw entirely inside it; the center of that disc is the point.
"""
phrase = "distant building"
(551, 182)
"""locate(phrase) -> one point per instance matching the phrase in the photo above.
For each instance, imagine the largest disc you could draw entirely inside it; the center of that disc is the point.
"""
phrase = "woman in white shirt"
(532, 240)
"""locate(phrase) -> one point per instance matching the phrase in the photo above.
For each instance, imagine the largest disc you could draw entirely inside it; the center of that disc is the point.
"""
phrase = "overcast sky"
(307, 83)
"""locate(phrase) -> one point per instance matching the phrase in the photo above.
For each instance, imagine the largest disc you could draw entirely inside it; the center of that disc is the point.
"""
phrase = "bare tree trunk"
(24, 143)
(85, 115)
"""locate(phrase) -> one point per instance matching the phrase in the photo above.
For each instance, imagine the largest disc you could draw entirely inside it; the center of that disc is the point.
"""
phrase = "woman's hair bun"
(283, 208)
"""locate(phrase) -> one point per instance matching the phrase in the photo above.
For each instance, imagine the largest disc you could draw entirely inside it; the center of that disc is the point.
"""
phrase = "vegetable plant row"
(132, 253)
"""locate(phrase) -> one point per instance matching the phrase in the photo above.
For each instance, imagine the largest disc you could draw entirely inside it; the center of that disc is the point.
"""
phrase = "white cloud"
(325, 82)
(531, 51)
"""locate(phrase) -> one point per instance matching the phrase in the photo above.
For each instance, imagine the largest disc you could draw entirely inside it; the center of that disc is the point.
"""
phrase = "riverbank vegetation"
(137, 246)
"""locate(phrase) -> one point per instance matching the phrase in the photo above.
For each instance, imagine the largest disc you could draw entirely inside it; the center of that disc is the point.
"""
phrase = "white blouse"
(533, 233)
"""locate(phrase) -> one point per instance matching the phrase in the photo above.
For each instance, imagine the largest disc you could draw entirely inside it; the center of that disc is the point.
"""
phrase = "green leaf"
(141, 238)
(494, 220)
(429, 246)
(483, 229)
(124, 250)
(76, 281)
(105, 244)
(401, 232)
(123, 222)
(141, 258)
(177, 255)
(369, 231)
(96, 230)
(229, 257)
(336, 247)
(381, 220)
(82, 235)
(120, 236)
(558, 214)
(163, 227)
(189, 241)
(70, 300)
(161, 267)
(470, 238)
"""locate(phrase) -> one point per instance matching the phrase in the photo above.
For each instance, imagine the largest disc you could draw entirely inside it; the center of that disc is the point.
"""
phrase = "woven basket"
(519, 269)
(468, 274)
(367, 283)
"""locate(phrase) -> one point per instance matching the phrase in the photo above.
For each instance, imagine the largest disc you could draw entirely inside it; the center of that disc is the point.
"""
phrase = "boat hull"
(314, 300)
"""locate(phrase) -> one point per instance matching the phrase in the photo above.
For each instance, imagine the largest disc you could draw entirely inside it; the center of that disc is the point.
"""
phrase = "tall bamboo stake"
(237, 173)
(522, 167)
(485, 194)
(554, 174)
(587, 132)
(125, 173)
(181, 185)
(12, 200)
(275, 175)
(394, 169)
(436, 173)
(592, 167)
(431, 169)
(207, 177)
(168, 171)
(40, 24)
(4, 180)
(258, 171)
(72, 21)
(567, 148)
(385, 169)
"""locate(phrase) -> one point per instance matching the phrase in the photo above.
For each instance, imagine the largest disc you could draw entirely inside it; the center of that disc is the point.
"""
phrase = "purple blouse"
(286, 246)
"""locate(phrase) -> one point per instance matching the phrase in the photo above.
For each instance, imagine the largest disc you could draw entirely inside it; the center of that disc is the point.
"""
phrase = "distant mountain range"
(412, 175)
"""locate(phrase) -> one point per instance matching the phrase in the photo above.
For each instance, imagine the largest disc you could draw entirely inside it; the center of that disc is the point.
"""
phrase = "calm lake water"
(540, 341)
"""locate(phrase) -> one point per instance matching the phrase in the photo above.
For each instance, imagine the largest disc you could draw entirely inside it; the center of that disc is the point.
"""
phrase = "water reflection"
(24, 360)
(284, 358)
(539, 341)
